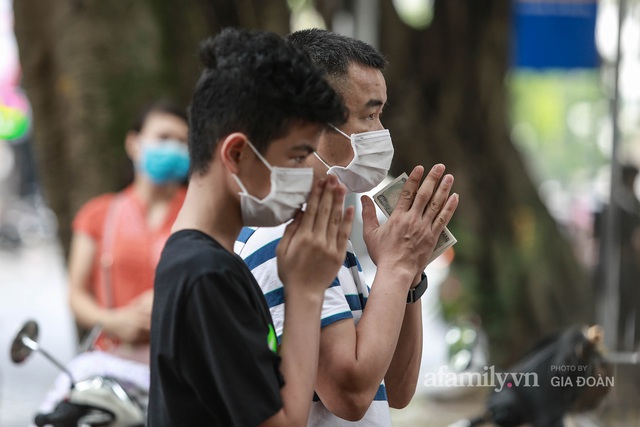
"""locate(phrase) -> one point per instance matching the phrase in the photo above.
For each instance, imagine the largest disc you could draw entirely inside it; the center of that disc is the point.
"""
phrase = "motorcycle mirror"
(21, 348)
(26, 342)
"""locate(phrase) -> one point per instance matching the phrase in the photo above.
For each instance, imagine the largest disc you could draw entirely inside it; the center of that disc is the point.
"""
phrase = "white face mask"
(372, 155)
(290, 189)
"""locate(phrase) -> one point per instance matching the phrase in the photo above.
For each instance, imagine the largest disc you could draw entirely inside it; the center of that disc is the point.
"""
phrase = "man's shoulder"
(191, 240)
(195, 251)
(193, 260)
(255, 235)
(258, 243)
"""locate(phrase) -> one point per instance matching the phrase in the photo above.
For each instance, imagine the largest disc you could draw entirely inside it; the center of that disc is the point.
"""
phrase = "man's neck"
(214, 211)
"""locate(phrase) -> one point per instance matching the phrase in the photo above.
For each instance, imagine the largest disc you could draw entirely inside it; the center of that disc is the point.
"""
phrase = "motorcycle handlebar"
(66, 413)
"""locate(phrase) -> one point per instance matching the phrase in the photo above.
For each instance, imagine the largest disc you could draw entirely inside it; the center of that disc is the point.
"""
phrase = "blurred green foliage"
(559, 120)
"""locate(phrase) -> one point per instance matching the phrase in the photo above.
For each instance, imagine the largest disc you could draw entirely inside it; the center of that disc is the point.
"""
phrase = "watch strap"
(416, 292)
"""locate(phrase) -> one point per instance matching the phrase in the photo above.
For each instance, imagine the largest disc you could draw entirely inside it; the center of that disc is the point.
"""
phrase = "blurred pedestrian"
(627, 208)
(629, 216)
(117, 237)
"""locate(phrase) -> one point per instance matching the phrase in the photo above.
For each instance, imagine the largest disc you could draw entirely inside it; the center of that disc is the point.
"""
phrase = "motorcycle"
(571, 374)
(115, 397)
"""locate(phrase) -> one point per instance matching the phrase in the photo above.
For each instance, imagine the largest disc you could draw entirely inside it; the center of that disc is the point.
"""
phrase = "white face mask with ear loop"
(372, 156)
(290, 189)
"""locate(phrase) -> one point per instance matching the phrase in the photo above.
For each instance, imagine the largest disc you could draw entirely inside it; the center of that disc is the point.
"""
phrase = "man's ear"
(233, 151)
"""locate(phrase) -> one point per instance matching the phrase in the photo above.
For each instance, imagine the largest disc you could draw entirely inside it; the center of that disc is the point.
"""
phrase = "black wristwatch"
(415, 293)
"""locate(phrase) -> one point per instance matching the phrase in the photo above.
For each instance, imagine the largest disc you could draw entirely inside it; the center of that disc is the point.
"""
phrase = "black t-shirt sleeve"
(226, 334)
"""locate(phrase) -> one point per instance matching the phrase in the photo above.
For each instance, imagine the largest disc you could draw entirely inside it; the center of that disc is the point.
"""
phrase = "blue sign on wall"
(555, 34)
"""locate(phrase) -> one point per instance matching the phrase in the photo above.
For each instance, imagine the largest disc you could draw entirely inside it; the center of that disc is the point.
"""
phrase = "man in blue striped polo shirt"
(371, 338)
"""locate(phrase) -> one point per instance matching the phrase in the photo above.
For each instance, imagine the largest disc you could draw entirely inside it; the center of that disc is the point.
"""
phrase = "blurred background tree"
(90, 65)
(449, 103)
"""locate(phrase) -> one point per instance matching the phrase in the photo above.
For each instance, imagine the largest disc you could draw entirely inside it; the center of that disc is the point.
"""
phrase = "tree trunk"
(449, 104)
(90, 65)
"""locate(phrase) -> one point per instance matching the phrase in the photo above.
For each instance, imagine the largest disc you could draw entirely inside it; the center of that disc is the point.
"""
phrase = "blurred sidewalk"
(620, 408)
(32, 286)
(428, 412)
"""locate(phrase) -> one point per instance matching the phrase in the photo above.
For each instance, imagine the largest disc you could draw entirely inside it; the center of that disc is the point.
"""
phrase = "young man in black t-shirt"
(255, 116)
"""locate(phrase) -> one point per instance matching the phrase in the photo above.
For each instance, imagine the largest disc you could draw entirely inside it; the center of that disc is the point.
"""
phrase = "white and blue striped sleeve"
(257, 247)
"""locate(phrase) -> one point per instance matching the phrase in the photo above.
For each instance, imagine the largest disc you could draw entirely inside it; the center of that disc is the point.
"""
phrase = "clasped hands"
(406, 241)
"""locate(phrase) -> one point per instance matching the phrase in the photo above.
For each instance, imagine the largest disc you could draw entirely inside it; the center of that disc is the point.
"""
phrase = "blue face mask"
(165, 161)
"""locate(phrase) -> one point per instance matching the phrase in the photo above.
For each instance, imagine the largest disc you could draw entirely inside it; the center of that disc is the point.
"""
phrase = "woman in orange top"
(117, 238)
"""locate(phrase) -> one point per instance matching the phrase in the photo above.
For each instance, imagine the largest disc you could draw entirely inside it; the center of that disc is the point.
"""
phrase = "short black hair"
(164, 106)
(334, 52)
(257, 83)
